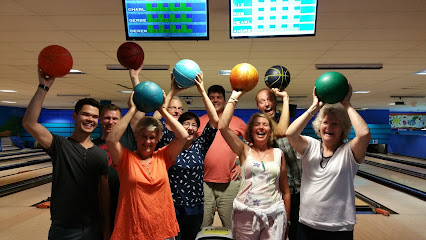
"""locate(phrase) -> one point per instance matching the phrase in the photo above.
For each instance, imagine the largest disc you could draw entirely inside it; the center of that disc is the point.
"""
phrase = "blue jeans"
(74, 232)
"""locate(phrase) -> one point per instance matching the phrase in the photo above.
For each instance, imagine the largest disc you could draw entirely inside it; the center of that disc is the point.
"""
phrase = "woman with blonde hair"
(262, 206)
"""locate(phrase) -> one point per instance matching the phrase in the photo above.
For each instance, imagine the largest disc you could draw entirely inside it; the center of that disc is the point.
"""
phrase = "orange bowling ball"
(244, 77)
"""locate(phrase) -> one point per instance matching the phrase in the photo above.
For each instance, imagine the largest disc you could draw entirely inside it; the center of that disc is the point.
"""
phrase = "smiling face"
(108, 120)
(261, 130)
(146, 142)
(191, 127)
(175, 108)
(86, 119)
(330, 129)
(218, 101)
(266, 103)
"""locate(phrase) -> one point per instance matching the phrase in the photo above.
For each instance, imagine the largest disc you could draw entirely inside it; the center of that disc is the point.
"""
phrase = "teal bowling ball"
(331, 87)
(185, 73)
(148, 96)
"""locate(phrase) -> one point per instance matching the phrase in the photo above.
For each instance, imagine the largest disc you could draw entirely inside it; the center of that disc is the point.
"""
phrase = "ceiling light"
(224, 72)
(126, 91)
(7, 102)
(361, 92)
(145, 67)
(73, 95)
(350, 66)
(75, 71)
(422, 72)
(8, 91)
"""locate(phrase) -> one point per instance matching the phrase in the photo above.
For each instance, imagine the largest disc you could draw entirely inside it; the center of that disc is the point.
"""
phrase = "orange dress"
(145, 206)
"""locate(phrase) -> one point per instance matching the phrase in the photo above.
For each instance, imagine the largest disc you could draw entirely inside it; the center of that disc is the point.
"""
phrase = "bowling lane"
(414, 182)
(22, 155)
(405, 158)
(14, 152)
(23, 160)
(398, 165)
(25, 175)
(15, 171)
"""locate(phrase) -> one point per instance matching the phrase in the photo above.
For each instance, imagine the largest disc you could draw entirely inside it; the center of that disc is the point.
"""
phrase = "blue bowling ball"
(185, 72)
(148, 96)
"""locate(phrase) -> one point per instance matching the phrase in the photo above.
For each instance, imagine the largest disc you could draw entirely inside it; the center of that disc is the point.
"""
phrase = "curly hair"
(341, 115)
(247, 133)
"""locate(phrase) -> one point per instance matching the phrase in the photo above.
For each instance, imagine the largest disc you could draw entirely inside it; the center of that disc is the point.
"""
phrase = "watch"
(44, 87)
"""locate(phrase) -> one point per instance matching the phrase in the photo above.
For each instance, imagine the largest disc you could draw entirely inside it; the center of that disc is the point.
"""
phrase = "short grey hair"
(341, 115)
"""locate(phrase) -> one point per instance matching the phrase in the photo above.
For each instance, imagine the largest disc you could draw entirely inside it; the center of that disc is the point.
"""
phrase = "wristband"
(309, 113)
(232, 100)
(44, 87)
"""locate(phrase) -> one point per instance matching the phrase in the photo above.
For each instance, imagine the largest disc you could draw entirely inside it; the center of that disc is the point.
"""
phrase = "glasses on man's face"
(175, 108)
(187, 125)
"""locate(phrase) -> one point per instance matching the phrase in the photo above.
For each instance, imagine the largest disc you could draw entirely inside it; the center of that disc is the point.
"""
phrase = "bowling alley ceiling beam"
(145, 67)
(350, 66)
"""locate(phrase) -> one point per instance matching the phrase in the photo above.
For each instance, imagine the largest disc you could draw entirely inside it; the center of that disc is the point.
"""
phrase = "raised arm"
(297, 141)
(176, 145)
(234, 142)
(134, 77)
(362, 133)
(211, 111)
(29, 122)
(174, 89)
(115, 149)
(284, 120)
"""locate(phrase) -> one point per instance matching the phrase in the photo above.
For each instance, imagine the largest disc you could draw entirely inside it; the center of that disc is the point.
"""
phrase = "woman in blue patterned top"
(187, 174)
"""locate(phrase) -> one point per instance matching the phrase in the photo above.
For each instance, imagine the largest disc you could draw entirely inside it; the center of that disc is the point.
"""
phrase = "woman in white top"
(329, 165)
(262, 205)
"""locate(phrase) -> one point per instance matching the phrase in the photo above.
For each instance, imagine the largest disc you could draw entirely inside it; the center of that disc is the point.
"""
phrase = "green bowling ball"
(331, 87)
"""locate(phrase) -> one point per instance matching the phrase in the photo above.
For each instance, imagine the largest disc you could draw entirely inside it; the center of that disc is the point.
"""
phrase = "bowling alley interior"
(378, 46)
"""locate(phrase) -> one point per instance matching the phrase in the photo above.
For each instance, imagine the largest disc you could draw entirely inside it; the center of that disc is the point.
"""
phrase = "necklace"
(261, 158)
(146, 165)
(324, 160)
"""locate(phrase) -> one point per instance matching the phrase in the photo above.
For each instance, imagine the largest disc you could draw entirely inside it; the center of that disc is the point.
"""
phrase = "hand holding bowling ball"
(130, 55)
(185, 72)
(277, 77)
(55, 61)
(148, 96)
(244, 77)
(331, 87)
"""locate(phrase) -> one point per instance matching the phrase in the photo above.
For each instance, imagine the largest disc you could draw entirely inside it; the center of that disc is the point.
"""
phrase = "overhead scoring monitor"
(272, 18)
(166, 19)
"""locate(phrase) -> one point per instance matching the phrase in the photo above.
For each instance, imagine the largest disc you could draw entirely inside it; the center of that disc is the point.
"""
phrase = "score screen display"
(265, 18)
(173, 19)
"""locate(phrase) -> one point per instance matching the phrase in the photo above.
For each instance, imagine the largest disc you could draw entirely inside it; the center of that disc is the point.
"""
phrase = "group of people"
(164, 176)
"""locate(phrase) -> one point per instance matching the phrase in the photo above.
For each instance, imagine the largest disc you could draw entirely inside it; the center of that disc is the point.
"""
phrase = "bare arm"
(176, 145)
(134, 77)
(29, 122)
(362, 133)
(285, 190)
(234, 142)
(297, 141)
(211, 111)
(174, 89)
(112, 141)
(284, 121)
(104, 205)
